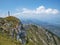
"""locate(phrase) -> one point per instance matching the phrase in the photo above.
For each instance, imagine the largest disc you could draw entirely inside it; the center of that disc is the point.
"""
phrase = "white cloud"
(40, 10)
(51, 11)
(40, 13)
(27, 11)
(55, 11)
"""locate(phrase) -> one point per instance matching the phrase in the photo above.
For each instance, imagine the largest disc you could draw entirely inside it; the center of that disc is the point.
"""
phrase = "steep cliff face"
(35, 35)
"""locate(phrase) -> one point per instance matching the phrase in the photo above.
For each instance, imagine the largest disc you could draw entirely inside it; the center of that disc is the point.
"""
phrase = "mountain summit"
(15, 33)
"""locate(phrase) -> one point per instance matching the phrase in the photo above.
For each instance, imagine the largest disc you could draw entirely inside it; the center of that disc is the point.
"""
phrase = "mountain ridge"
(35, 35)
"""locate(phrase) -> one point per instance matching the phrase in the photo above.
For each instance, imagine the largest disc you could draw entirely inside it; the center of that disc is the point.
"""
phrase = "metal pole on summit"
(8, 13)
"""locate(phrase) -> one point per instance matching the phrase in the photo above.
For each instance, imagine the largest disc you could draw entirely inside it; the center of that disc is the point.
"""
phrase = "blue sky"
(13, 4)
(47, 10)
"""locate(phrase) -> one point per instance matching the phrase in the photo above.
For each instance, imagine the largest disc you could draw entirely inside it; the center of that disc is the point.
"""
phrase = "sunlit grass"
(4, 40)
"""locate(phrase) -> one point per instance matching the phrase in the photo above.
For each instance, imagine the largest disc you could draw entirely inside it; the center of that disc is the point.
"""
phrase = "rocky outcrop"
(9, 25)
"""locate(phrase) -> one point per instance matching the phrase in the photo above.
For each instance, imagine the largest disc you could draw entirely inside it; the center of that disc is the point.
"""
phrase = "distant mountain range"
(55, 28)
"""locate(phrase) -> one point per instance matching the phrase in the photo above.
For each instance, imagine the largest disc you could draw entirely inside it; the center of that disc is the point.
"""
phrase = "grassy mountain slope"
(39, 36)
(5, 40)
(35, 35)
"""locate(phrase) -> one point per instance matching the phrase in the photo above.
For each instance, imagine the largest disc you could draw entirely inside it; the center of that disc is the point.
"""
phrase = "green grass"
(4, 40)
